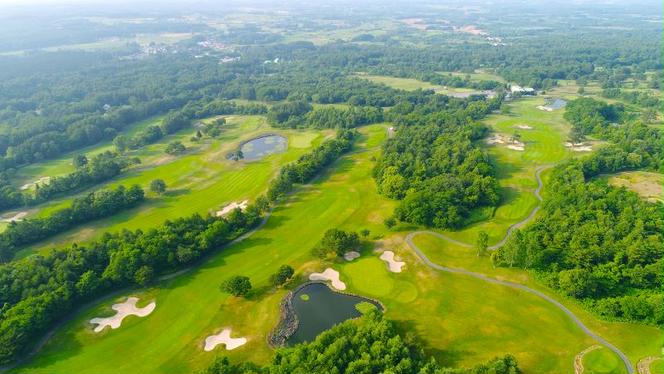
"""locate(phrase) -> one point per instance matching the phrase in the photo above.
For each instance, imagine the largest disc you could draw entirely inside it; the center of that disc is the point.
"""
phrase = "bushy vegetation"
(371, 344)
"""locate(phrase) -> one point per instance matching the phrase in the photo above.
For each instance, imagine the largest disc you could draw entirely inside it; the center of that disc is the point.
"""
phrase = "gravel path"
(574, 318)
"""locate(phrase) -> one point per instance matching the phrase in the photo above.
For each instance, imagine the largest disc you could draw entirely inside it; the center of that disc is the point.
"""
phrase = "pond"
(257, 148)
(318, 308)
(557, 104)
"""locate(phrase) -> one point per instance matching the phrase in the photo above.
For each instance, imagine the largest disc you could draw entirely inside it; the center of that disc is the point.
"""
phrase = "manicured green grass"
(515, 170)
(200, 181)
(602, 361)
(460, 320)
(190, 307)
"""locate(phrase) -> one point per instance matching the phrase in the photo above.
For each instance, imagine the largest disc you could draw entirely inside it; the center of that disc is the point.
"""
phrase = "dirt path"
(578, 360)
(549, 299)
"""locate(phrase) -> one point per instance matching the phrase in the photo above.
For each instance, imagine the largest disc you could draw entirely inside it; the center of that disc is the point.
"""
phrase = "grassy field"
(409, 84)
(190, 307)
(200, 181)
(478, 75)
(648, 185)
(637, 341)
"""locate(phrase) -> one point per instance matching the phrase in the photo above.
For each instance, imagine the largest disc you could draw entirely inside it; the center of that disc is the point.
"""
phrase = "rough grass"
(647, 185)
(478, 75)
(635, 340)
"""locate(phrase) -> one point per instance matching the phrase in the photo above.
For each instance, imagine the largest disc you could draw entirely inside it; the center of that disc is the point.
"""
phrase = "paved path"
(574, 318)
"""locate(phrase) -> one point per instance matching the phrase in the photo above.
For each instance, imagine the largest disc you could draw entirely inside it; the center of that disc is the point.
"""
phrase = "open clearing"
(409, 84)
(648, 185)
(460, 320)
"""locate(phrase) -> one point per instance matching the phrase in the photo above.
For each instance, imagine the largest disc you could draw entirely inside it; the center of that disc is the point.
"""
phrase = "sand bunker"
(545, 108)
(16, 217)
(579, 147)
(523, 127)
(643, 366)
(578, 360)
(329, 275)
(123, 310)
(350, 256)
(42, 181)
(232, 206)
(224, 337)
(392, 264)
(502, 139)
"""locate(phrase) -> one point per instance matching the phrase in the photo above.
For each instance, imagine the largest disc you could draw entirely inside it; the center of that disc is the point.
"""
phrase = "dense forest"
(370, 344)
(609, 253)
(433, 165)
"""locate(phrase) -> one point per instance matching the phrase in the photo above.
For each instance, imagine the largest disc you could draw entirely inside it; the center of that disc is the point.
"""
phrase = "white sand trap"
(350, 256)
(224, 337)
(579, 147)
(392, 264)
(512, 144)
(123, 310)
(545, 108)
(16, 217)
(523, 127)
(232, 206)
(42, 181)
(329, 275)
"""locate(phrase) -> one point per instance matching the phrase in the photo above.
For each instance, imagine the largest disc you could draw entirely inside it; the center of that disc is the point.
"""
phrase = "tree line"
(300, 114)
(93, 206)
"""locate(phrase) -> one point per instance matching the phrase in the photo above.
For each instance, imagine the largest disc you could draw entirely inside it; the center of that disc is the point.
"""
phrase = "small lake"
(557, 104)
(258, 148)
(318, 308)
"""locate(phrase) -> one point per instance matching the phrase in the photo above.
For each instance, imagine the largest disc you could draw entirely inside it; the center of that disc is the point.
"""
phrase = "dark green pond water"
(322, 309)
(258, 148)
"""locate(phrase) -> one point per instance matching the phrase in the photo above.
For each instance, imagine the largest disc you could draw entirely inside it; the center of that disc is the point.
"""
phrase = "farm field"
(203, 171)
